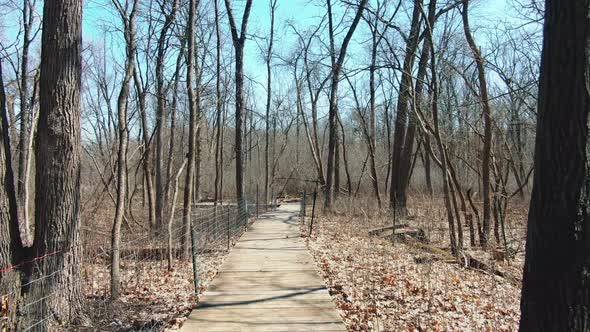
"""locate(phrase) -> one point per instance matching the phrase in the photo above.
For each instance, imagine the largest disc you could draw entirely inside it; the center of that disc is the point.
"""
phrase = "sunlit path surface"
(268, 283)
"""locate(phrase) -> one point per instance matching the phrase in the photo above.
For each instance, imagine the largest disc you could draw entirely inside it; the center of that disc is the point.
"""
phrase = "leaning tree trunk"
(487, 119)
(337, 63)
(57, 201)
(556, 283)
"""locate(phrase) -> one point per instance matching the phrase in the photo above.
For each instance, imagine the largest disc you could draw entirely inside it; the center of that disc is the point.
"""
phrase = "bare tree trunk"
(308, 133)
(370, 135)
(313, 96)
(199, 148)
(434, 130)
(122, 177)
(372, 123)
(336, 192)
(332, 116)
(161, 114)
(146, 158)
(273, 6)
(192, 139)
(443, 155)
(221, 149)
(219, 109)
(416, 102)
(487, 116)
(389, 145)
(173, 210)
(172, 131)
(11, 247)
(345, 158)
(398, 195)
(11, 123)
(427, 168)
(239, 41)
(26, 126)
(57, 201)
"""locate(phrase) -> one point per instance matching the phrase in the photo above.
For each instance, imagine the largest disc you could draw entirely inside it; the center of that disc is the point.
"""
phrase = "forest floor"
(377, 285)
(153, 298)
(383, 286)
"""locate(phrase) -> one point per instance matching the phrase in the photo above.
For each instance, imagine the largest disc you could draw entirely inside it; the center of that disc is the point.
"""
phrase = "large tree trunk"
(398, 196)
(239, 42)
(556, 283)
(57, 200)
(11, 248)
(239, 118)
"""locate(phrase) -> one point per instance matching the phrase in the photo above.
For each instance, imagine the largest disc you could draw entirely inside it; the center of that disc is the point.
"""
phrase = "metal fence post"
(194, 254)
(315, 196)
(245, 216)
(228, 229)
(257, 199)
(303, 207)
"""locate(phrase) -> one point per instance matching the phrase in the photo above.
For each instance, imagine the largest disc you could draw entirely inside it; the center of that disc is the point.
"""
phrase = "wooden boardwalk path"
(268, 282)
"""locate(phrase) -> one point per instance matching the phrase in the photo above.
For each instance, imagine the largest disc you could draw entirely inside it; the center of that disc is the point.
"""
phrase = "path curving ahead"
(268, 282)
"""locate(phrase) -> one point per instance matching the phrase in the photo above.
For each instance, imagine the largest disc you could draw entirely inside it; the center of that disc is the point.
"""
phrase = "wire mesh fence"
(161, 268)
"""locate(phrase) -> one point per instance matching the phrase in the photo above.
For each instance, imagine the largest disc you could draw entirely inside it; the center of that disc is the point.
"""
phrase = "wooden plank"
(269, 282)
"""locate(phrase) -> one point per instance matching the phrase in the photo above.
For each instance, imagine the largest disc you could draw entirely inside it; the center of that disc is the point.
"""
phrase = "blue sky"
(301, 12)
